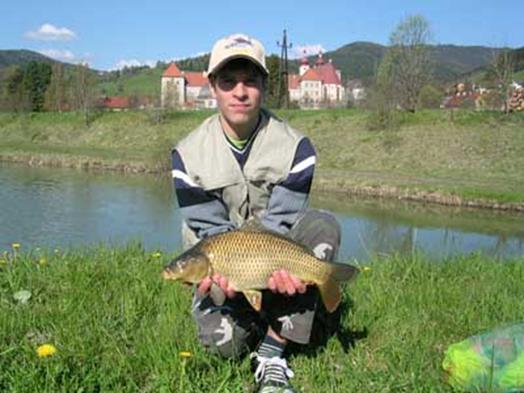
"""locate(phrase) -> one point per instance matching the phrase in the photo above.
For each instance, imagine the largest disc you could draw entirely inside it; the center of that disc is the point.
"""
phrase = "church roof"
(195, 79)
(325, 73)
(172, 71)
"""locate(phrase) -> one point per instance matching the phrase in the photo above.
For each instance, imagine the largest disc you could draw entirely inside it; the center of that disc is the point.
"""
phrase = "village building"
(313, 87)
(316, 86)
(185, 89)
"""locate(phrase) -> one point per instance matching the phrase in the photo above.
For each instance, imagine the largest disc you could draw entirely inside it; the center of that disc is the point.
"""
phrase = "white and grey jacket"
(218, 187)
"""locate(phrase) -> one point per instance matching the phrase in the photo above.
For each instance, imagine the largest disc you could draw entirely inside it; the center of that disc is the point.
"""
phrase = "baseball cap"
(237, 46)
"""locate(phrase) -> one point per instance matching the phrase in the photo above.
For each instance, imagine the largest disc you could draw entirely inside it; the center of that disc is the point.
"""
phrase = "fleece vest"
(210, 162)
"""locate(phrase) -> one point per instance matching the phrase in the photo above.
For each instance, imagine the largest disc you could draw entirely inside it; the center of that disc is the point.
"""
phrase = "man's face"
(239, 88)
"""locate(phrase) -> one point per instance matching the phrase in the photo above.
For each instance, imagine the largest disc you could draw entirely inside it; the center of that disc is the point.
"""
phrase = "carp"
(249, 255)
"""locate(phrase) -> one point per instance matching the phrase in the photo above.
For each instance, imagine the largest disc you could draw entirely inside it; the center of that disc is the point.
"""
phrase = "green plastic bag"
(489, 362)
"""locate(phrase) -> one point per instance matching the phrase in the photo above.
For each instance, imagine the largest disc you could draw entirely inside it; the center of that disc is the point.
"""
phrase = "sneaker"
(272, 375)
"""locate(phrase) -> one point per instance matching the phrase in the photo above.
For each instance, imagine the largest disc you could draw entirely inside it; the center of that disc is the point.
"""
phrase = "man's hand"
(283, 282)
(221, 281)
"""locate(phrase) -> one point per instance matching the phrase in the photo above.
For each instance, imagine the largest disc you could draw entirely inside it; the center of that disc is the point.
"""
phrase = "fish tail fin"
(342, 271)
(330, 294)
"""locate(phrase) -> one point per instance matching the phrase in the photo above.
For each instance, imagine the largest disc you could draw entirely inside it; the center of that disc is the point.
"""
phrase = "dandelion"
(46, 350)
(15, 246)
(156, 255)
(184, 355)
(366, 269)
(42, 262)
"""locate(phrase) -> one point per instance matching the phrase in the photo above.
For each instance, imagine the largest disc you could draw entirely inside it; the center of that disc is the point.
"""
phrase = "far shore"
(321, 183)
(460, 158)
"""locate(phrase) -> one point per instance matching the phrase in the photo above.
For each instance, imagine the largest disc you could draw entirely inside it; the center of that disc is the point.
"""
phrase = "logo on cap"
(239, 42)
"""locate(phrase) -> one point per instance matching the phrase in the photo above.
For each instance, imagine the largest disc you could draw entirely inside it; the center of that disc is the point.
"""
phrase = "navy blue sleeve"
(290, 198)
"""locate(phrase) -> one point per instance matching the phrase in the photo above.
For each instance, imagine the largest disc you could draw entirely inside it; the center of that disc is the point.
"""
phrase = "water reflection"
(377, 226)
(45, 207)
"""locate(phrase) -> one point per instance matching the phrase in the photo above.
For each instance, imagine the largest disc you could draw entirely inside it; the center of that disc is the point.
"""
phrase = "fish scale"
(247, 257)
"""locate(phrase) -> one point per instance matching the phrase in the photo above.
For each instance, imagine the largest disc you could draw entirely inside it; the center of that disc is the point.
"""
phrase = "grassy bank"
(118, 327)
(463, 157)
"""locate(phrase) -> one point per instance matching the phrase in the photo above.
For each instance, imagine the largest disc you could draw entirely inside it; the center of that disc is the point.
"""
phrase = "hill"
(357, 60)
(21, 58)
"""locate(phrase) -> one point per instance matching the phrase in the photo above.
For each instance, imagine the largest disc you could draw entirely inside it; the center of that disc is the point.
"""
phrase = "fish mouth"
(168, 274)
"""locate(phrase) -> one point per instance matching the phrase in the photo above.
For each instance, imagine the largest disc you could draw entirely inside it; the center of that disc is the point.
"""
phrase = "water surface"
(60, 208)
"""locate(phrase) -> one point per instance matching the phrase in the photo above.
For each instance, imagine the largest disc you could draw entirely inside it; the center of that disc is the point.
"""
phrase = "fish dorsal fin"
(330, 294)
(254, 298)
(253, 224)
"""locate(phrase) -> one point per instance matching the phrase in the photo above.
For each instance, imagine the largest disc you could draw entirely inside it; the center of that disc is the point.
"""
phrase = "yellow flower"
(42, 261)
(185, 354)
(16, 246)
(46, 350)
(3, 262)
(366, 269)
(156, 255)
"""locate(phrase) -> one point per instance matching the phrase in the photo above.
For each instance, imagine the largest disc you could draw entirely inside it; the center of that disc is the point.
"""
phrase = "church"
(316, 86)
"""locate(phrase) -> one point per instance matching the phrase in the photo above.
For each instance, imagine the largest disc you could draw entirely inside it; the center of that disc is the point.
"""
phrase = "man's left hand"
(284, 282)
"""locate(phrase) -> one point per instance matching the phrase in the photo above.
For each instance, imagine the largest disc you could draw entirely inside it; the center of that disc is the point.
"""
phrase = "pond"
(62, 208)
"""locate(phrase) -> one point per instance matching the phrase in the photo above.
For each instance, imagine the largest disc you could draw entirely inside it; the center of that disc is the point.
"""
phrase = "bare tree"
(55, 98)
(502, 66)
(84, 90)
(407, 66)
(171, 97)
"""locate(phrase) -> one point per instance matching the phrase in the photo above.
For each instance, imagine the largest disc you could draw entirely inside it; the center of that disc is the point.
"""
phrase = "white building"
(320, 85)
(185, 89)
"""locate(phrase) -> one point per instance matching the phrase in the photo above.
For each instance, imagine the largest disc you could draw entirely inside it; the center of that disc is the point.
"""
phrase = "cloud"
(48, 32)
(66, 55)
(133, 63)
(59, 54)
(309, 49)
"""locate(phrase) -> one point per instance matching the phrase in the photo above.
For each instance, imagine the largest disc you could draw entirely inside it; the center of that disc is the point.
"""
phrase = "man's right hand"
(221, 281)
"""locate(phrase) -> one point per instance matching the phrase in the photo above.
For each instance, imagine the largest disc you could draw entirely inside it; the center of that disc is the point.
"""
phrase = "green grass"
(119, 328)
(465, 154)
(146, 83)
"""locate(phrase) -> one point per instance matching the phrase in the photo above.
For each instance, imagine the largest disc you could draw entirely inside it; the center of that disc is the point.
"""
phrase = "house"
(115, 103)
(317, 85)
(185, 89)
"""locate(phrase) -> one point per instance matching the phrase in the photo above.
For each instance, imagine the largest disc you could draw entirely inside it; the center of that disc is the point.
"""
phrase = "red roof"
(311, 75)
(116, 102)
(293, 81)
(172, 71)
(326, 73)
(196, 79)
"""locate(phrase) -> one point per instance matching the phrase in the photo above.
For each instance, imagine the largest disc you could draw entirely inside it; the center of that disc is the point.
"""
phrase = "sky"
(112, 34)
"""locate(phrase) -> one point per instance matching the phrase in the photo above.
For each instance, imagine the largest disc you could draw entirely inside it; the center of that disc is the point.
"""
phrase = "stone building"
(185, 89)
(318, 85)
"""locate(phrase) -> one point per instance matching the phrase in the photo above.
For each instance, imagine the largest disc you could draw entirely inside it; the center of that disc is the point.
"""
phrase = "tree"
(502, 66)
(55, 97)
(14, 95)
(84, 90)
(171, 98)
(407, 62)
(37, 76)
(272, 99)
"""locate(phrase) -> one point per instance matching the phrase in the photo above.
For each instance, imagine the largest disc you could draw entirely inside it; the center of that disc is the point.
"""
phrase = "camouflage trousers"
(235, 328)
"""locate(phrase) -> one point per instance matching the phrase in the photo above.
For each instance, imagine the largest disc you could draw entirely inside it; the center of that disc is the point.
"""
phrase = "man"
(243, 162)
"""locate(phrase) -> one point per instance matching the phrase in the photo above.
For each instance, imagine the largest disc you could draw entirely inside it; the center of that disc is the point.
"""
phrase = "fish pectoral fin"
(217, 294)
(254, 298)
(330, 294)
